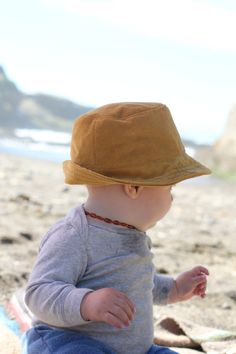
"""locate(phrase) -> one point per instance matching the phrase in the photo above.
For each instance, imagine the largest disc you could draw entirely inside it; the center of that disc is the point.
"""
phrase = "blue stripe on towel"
(10, 323)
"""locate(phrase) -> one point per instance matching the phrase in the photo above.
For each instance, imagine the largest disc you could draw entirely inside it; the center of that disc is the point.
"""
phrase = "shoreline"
(52, 145)
(42, 158)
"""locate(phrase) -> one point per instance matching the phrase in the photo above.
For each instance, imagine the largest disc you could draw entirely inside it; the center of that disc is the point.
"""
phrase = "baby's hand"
(190, 283)
(108, 305)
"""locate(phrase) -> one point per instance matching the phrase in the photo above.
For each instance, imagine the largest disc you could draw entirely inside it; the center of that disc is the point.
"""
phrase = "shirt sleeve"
(162, 288)
(52, 293)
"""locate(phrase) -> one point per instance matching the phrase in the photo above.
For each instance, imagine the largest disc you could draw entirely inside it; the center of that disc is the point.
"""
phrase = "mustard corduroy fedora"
(129, 143)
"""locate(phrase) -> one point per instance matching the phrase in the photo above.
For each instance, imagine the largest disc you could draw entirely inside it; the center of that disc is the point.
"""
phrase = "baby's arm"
(189, 284)
(168, 290)
(162, 288)
(51, 293)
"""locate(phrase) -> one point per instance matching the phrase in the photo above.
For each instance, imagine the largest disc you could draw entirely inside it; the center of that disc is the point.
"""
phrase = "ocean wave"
(44, 136)
(45, 144)
(41, 150)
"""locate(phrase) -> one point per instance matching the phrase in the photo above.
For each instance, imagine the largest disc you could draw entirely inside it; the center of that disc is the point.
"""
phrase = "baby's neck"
(110, 202)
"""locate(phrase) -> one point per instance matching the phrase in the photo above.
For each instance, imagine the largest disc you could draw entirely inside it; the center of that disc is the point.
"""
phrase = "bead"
(109, 221)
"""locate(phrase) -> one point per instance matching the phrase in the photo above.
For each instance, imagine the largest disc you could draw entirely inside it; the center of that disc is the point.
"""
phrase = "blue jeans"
(47, 340)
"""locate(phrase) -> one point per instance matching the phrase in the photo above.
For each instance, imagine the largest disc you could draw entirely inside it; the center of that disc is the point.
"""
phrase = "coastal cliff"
(38, 111)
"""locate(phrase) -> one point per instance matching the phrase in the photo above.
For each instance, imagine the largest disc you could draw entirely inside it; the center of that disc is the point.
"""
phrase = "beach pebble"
(7, 240)
(226, 306)
(26, 235)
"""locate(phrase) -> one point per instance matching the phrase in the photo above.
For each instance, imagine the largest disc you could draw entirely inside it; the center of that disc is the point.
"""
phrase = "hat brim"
(76, 174)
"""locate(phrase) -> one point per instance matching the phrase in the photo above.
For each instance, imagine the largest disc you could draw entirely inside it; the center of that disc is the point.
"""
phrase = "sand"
(199, 229)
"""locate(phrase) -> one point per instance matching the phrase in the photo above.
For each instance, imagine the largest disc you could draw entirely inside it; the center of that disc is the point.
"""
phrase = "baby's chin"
(150, 226)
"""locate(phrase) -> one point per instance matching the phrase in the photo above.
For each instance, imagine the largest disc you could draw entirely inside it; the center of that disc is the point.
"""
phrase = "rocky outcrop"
(224, 150)
(221, 156)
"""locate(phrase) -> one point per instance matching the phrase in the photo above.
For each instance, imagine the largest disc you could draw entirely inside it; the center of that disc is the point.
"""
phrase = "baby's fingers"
(113, 320)
(123, 298)
(200, 270)
(121, 314)
(127, 310)
(199, 279)
(200, 290)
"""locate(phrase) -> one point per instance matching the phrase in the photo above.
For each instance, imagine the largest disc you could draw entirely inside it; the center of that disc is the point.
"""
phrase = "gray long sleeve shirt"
(79, 255)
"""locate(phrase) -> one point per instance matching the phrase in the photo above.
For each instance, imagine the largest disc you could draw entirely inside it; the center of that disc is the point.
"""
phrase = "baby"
(93, 285)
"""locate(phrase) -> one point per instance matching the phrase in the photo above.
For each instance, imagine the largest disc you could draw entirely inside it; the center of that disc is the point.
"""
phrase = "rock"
(221, 156)
(232, 295)
(26, 235)
(225, 148)
(7, 240)
(226, 306)
(20, 197)
(162, 270)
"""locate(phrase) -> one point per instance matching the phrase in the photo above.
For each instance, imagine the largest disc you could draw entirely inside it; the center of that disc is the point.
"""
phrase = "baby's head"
(129, 144)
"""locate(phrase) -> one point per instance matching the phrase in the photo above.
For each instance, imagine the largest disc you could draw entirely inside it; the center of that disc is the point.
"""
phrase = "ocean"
(44, 144)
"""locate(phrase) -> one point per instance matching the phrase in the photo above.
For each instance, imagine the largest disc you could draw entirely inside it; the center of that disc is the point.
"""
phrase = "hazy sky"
(179, 52)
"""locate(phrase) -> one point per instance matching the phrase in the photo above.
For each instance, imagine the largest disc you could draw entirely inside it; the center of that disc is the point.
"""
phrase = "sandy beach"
(199, 229)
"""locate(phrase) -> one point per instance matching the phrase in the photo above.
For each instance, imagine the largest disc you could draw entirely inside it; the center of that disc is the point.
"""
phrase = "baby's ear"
(132, 191)
(139, 189)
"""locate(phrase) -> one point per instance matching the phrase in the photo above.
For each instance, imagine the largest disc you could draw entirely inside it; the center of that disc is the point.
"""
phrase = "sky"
(181, 53)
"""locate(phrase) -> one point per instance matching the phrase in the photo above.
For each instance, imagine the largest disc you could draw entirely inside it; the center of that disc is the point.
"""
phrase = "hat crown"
(136, 140)
(129, 143)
